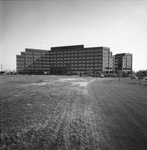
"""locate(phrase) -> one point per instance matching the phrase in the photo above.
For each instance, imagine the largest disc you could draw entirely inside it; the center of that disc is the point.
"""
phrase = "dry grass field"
(72, 113)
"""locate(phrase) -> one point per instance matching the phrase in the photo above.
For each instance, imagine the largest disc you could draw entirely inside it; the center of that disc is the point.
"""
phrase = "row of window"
(47, 65)
(65, 61)
(56, 59)
(72, 68)
(63, 64)
(63, 56)
(64, 52)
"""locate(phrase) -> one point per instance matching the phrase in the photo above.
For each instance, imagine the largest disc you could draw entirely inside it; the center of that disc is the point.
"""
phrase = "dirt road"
(76, 114)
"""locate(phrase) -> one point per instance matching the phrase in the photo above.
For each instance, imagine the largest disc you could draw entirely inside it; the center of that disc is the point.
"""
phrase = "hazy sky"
(120, 25)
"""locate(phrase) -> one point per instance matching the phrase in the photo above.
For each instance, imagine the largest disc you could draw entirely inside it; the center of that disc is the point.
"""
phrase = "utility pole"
(1, 67)
(119, 74)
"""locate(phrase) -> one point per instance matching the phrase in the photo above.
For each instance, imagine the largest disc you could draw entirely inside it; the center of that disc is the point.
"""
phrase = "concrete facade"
(123, 62)
(72, 60)
(66, 60)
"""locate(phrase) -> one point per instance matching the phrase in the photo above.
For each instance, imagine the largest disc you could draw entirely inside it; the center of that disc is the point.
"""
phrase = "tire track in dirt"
(98, 97)
(76, 127)
(122, 126)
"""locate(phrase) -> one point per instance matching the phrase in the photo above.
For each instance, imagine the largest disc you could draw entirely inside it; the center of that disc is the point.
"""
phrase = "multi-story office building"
(123, 62)
(26, 62)
(66, 60)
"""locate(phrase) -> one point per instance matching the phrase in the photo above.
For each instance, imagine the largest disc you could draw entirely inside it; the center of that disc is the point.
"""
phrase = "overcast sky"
(120, 25)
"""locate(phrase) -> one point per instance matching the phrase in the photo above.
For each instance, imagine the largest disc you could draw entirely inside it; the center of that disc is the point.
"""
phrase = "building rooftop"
(33, 50)
(67, 47)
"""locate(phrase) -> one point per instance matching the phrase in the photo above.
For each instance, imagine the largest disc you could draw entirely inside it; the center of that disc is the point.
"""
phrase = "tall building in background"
(123, 62)
(66, 60)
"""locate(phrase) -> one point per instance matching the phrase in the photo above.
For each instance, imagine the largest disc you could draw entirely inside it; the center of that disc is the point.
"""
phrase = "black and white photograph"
(73, 74)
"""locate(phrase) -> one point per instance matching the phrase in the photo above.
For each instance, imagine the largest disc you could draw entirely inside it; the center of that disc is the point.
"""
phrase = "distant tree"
(140, 76)
(142, 72)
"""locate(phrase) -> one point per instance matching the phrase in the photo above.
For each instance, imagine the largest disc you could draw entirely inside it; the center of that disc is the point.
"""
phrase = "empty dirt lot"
(73, 113)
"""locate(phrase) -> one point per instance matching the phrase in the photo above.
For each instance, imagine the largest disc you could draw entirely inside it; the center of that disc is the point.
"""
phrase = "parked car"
(134, 77)
(93, 75)
(101, 76)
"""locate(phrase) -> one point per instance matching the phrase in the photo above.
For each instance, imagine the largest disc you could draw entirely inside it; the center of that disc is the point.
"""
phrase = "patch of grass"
(47, 112)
